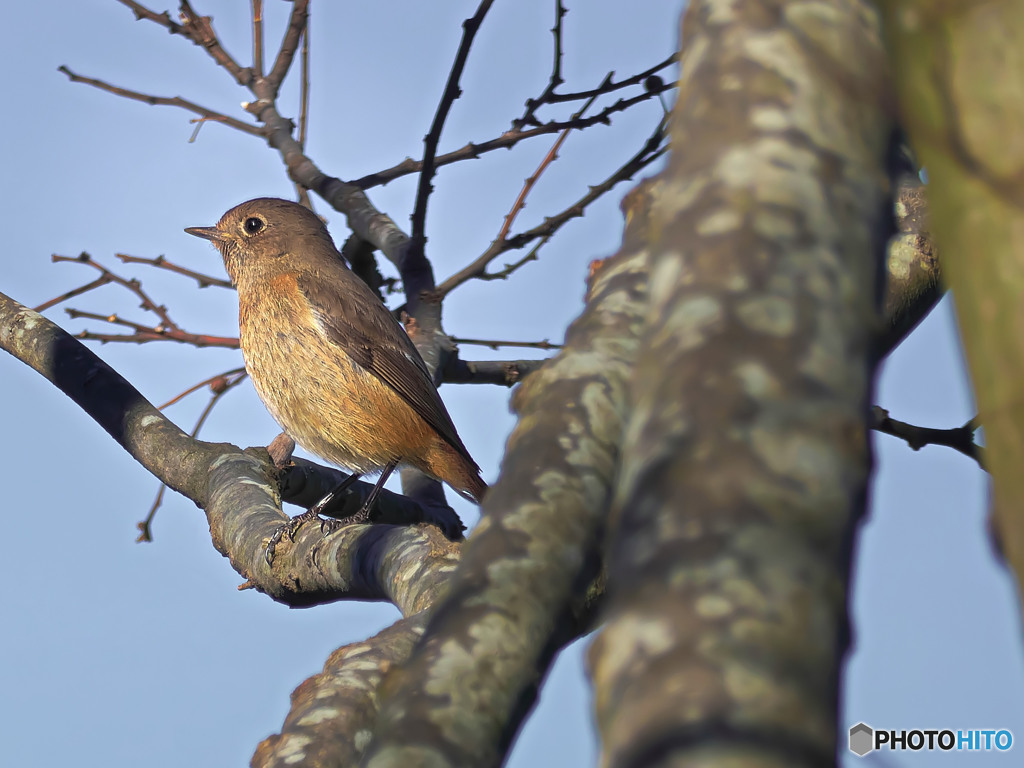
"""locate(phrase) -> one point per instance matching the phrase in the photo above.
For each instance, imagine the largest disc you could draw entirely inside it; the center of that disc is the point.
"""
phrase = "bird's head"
(267, 236)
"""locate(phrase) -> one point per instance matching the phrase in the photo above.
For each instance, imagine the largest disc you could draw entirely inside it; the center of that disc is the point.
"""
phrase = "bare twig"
(132, 285)
(99, 281)
(214, 382)
(508, 269)
(219, 385)
(161, 263)
(163, 19)
(452, 91)
(304, 87)
(544, 344)
(556, 70)
(143, 336)
(170, 101)
(290, 43)
(113, 319)
(510, 138)
(257, 37)
(199, 30)
(959, 438)
(650, 152)
(549, 158)
(145, 525)
(506, 373)
(607, 86)
(301, 191)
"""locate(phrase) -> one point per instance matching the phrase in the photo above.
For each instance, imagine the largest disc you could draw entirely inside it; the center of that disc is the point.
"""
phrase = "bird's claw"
(288, 529)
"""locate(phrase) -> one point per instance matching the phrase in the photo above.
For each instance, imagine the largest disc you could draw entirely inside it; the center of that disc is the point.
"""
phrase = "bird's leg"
(313, 513)
(329, 526)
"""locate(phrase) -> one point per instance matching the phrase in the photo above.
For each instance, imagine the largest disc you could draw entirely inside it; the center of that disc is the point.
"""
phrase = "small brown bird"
(331, 364)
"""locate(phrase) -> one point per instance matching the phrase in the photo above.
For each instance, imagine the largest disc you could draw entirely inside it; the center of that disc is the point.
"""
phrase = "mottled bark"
(960, 75)
(914, 283)
(462, 696)
(333, 713)
(745, 459)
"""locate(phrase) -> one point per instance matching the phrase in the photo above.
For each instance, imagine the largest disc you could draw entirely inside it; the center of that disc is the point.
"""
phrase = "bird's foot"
(327, 527)
(288, 529)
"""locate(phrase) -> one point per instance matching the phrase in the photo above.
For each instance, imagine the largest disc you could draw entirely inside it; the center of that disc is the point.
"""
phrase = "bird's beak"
(208, 233)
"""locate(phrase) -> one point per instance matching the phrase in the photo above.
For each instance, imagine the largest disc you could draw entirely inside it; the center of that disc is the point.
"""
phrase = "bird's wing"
(353, 318)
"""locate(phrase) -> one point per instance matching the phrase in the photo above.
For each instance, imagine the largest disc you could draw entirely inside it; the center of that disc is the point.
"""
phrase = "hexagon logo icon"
(862, 739)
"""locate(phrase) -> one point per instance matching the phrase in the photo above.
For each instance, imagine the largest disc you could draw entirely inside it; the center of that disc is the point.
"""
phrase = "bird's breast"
(319, 395)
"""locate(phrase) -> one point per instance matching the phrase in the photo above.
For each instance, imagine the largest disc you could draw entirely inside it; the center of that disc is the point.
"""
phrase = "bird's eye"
(253, 225)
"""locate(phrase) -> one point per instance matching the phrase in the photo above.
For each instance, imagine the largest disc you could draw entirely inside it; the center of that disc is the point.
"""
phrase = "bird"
(330, 362)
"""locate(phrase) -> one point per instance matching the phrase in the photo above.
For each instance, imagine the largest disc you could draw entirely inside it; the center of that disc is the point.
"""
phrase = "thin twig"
(163, 19)
(510, 138)
(304, 87)
(141, 337)
(169, 101)
(452, 91)
(512, 267)
(113, 319)
(607, 86)
(549, 158)
(650, 152)
(210, 381)
(219, 385)
(556, 78)
(161, 263)
(257, 37)
(132, 285)
(99, 281)
(199, 30)
(290, 43)
(545, 344)
(959, 438)
(505, 373)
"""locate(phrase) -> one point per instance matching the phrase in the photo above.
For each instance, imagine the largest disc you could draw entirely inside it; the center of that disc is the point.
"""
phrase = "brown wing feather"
(349, 313)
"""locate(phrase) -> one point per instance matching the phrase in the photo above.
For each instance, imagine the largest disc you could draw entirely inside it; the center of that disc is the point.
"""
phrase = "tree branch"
(506, 373)
(508, 139)
(169, 101)
(452, 91)
(914, 284)
(290, 43)
(959, 438)
(745, 458)
(539, 531)
(333, 711)
(239, 489)
(160, 262)
(649, 152)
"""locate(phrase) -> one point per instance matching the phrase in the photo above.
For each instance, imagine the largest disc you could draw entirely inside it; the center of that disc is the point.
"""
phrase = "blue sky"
(113, 649)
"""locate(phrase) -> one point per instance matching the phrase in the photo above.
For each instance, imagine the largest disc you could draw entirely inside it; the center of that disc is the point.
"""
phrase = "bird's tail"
(475, 487)
(459, 471)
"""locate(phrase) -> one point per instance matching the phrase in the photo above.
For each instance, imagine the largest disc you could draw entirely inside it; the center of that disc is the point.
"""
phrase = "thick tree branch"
(914, 284)
(239, 490)
(955, 66)
(332, 712)
(745, 460)
(461, 697)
